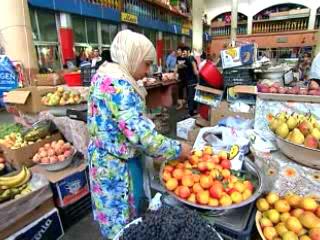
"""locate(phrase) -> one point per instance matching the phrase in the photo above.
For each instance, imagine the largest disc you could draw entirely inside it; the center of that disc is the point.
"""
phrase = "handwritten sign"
(129, 18)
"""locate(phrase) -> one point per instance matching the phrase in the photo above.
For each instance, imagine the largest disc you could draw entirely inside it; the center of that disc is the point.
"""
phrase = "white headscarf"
(128, 51)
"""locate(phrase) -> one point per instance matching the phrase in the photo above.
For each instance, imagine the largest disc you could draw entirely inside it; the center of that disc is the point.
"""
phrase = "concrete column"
(159, 35)
(317, 48)
(312, 18)
(197, 26)
(16, 34)
(249, 25)
(234, 20)
(65, 20)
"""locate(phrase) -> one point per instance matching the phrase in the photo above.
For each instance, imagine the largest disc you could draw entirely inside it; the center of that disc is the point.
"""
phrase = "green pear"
(275, 123)
(297, 137)
(292, 122)
(282, 116)
(282, 130)
(316, 133)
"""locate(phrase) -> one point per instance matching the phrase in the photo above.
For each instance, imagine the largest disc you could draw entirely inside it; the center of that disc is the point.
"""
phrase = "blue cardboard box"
(48, 227)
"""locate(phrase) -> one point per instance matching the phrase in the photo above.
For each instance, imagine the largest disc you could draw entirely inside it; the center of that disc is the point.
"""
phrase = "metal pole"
(234, 21)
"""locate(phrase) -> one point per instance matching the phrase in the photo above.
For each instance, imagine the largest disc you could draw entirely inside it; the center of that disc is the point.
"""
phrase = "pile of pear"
(290, 217)
(301, 129)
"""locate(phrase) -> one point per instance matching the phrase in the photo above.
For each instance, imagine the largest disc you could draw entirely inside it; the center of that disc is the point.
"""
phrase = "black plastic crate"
(246, 234)
(70, 215)
(86, 73)
(238, 76)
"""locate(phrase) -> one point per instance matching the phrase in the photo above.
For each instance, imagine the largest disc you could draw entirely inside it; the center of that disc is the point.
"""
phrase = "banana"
(17, 180)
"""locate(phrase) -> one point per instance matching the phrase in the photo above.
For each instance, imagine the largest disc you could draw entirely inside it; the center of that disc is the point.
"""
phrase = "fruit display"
(171, 223)
(54, 152)
(206, 179)
(15, 186)
(2, 164)
(291, 217)
(270, 87)
(296, 128)
(8, 128)
(16, 140)
(61, 97)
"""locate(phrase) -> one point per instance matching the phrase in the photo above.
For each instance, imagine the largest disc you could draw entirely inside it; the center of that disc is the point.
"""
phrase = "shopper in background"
(304, 66)
(105, 57)
(120, 131)
(192, 75)
(181, 70)
(171, 61)
(95, 58)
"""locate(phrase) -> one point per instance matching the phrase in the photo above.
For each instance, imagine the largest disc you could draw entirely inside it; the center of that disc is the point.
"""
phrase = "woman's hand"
(185, 150)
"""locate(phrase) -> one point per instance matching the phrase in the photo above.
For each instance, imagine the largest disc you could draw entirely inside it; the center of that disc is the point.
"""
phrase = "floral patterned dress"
(118, 130)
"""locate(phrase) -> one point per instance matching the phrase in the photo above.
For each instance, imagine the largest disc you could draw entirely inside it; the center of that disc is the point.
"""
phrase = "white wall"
(251, 7)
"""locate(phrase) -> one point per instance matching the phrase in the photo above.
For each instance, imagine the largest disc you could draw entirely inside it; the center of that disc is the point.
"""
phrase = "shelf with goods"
(285, 24)
(148, 10)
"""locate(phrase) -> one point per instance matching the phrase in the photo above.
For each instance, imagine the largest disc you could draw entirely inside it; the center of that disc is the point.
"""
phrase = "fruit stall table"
(276, 103)
(282, 175)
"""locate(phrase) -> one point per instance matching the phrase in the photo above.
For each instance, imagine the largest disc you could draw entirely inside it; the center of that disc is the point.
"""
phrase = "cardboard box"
(223, 111)
(47, 227)
(28, 99)
(23, 156)
(184, 127)
(32, 216)
(238, 56)
(48, 79)
(68, 185)
(208, 96)
(13, 210)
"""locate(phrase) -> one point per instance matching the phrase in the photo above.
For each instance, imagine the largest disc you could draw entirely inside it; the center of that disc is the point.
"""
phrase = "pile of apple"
(56, 151)
(297, 128)
(289, 218)
(205, 178)
(313, 89)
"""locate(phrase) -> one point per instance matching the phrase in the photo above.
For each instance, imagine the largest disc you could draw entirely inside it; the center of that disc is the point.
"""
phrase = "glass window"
(92, 31)
(108, 32)
(79, 30)
(48, 57)
(151, 34)
(35, 34)
(47, 25)
(113, 31)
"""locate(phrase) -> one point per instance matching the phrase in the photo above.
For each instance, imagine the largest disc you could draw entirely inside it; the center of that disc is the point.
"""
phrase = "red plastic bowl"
(212, 75)
(72, 79)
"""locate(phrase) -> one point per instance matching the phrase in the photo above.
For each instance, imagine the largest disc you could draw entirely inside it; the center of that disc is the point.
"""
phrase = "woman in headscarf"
(119, 130)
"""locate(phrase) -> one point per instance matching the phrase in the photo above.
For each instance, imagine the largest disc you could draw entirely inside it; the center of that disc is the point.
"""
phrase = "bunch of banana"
(16, 180)
(14, 192)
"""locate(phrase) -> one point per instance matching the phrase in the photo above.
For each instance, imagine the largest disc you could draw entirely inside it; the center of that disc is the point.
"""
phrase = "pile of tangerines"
(205, 178)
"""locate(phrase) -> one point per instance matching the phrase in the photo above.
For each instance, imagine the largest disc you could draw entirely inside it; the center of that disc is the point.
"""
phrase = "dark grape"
(170, 223)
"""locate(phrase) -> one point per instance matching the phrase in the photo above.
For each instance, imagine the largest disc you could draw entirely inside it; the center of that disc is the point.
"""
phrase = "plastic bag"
(236, 122)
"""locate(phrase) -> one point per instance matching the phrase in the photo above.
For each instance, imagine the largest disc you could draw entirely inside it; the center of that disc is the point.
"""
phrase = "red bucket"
(211, 75)
(72, 79)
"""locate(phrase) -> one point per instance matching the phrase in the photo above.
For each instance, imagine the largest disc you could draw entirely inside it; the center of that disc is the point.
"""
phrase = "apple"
(273, 90)
(2, 160)
(226, 164)
(282, 90)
